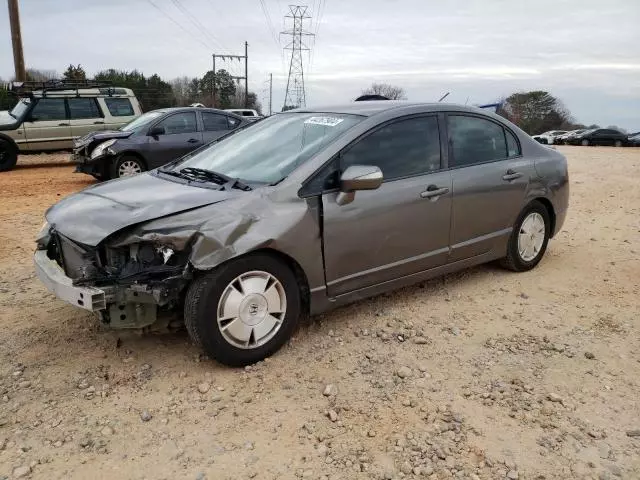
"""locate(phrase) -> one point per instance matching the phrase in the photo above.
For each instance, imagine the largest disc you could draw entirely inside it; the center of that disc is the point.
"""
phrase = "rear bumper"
(54, 278)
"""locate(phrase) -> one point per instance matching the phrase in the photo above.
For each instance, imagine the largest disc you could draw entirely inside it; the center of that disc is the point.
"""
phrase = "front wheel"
(618, 143)
(529, 238)
(584, 143)
(244, 310)
(8, 156)
(127, 165)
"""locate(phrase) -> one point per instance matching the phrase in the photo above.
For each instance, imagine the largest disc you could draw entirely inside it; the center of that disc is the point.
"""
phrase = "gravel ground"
(482, 374)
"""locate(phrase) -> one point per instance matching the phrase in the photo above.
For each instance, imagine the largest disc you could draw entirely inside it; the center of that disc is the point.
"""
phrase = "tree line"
(152, 91)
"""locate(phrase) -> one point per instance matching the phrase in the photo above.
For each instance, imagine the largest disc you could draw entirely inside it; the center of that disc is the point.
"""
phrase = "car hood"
(100, 136)
(91, 215)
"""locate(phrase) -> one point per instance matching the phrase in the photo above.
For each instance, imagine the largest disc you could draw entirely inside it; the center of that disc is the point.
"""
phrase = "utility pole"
(16, 41)
(246, 72)
(295, 95)
(213, 86)
(270, 93)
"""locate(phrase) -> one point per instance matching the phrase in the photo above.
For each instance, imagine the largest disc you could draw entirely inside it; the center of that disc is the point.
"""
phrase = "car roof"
(373, 107)
(195, 109)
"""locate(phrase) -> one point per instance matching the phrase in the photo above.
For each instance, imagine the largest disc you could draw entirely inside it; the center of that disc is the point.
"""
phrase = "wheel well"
(10, 141)
(552, 214)
(303, 282)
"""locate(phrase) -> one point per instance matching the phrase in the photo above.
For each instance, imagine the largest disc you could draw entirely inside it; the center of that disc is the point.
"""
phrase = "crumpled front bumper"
(57, 282)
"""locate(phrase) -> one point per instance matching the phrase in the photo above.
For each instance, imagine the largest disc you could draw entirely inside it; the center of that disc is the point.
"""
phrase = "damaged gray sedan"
(302, 212)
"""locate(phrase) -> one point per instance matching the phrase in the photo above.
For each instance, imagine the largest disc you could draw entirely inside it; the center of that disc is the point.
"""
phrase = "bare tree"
(392, 92)
(37, 75)
(183, 90)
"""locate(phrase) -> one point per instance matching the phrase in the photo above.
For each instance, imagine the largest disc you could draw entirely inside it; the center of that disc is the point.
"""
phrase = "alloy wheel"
(128, 168)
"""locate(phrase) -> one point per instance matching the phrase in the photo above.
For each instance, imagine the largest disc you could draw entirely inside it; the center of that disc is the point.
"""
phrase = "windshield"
(141, 121)
(270, 150)
(20, 108)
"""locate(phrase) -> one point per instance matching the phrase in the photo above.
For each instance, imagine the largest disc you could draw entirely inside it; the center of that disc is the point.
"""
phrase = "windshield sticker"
(324, 121)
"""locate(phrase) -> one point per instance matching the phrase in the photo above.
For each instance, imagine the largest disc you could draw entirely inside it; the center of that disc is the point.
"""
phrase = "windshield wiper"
(203, 175)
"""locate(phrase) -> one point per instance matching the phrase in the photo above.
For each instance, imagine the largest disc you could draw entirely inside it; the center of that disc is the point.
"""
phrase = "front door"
(84, 116)
(400, 228)
(180, 136)
(490, 181)
(47, 127)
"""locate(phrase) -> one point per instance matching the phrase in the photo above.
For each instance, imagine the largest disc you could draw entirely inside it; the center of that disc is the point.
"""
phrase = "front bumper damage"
(132, 301)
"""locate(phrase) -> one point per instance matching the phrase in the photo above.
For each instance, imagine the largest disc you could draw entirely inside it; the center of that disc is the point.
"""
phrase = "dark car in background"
(599, 136)
(151, 140)
(634, 140)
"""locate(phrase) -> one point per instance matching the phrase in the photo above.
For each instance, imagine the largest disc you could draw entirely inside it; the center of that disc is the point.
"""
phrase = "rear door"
(399, 229)
(85, 116)
(47, 127)
(180, 136)
(490, 181)
(215, 125)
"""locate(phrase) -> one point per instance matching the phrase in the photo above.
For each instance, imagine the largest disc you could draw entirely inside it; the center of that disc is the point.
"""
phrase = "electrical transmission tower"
(295, 95)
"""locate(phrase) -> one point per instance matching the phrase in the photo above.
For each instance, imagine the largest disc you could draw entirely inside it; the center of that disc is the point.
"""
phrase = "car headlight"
(42, 238)
(99, 150)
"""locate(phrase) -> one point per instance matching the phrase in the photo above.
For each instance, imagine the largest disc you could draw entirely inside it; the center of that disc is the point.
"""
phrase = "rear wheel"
(244, 310)
(8, 155)
(127, 165)
(584, 143)
(529, 238)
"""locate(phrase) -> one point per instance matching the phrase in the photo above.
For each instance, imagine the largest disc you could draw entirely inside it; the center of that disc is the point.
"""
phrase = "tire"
(8, 156)
(522, 262)
(618, 143)
(584, 143)
(206, 298)
(123, 163)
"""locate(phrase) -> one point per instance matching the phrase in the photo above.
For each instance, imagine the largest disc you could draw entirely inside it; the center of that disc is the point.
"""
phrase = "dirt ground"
(483, 374)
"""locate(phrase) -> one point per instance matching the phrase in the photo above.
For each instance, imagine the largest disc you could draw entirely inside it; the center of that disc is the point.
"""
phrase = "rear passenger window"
(83, 108)
(49, 109)
(401, 149)
(119, 107)
(475, 140)
(513, 148)
(214, 122)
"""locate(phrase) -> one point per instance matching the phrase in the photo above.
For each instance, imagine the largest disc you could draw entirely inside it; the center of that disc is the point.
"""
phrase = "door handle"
(98, 123)
(434, 191)
(511, 175)
(193, 140)
(63, 124)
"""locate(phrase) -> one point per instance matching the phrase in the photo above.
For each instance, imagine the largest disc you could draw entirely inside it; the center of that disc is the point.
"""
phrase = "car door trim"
(404, 261)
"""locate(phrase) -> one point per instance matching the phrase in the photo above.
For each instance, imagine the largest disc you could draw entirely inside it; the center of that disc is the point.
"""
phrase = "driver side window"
(400, 149)
(179, 123)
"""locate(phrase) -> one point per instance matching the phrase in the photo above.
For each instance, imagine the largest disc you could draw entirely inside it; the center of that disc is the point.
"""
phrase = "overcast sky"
(585, 52)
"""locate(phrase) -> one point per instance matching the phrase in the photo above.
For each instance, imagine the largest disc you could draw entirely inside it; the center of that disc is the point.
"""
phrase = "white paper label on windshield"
(325, 121)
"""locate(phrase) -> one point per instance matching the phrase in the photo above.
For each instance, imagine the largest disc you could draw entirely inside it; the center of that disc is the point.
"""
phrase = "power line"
(265, 10)
(197, 24)
(179, 25)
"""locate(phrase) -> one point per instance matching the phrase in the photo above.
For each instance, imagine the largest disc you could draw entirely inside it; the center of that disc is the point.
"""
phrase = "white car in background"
(245, 112)
(548, 138)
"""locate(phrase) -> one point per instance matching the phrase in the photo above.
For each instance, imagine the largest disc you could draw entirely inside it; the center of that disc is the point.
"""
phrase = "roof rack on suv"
(43, 87)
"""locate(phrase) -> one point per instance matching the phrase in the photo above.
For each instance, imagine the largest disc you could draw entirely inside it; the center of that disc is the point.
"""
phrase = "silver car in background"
(302, 212)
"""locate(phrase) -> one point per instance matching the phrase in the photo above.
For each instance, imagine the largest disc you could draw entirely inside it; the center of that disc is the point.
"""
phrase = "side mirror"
(358, 177)
(156, 130)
